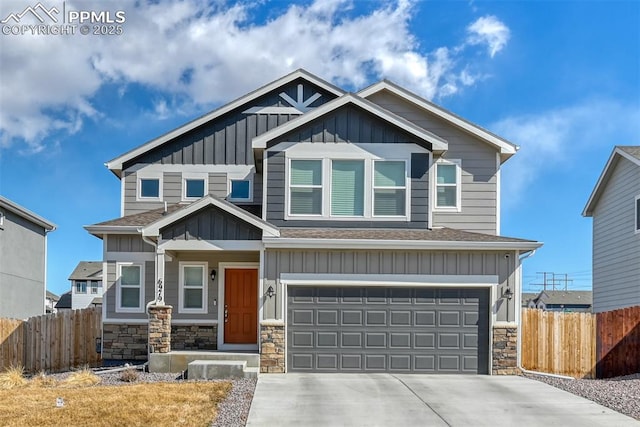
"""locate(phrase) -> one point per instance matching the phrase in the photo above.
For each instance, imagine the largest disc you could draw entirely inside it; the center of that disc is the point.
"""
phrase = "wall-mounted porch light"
(213, 275)
(508, 294)
(270, 291)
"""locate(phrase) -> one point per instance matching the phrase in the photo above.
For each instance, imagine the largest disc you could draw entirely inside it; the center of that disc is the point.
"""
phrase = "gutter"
(314, 243)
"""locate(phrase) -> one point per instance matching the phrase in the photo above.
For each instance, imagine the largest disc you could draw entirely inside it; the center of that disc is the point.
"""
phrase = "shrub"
(129, 375)
(82, 378)
(12, 377)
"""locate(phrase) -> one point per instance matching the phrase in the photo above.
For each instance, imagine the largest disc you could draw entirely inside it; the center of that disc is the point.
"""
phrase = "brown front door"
(241, 306)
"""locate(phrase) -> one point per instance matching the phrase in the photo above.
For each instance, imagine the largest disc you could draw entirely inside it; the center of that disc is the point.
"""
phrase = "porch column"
(160, 284)
(159, 328)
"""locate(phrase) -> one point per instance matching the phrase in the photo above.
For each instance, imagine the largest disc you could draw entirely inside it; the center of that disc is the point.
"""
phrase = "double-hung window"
(81, 287)
(130, 289)
(193, 288)
(389, 188)
(94, 286)
(305, 187)
(448, 177)
(347, 187)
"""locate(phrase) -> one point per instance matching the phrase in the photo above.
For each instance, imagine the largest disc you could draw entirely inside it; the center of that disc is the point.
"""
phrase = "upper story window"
(95, 284)
(149, 187)
(347, 189)
(240, 190)
(389, 188)
(194, 186)
(305, 187)
(638, 213)
(81, 287)
(448, 183)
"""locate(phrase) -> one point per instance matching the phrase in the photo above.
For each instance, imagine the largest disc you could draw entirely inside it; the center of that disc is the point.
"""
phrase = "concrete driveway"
(425, 400)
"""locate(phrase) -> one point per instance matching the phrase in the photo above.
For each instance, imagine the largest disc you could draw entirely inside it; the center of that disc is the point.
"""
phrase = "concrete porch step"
(219, 369)
(178, 361)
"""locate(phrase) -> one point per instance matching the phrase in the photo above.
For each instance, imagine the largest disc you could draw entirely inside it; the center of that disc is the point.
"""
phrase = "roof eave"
(27, 214)
(101, 230)
(299, 243)
(437, 143)
(506, 148)
(116, 164)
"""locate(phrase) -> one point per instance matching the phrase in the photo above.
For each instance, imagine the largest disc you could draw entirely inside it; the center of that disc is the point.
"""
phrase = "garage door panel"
(388, 330)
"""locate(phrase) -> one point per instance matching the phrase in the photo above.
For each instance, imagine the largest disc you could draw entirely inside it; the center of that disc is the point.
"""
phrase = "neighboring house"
(566, 301)
(51, 300)
(64, 303)
(23, 261)
(86, 285)
(614, 206)
(365, 227)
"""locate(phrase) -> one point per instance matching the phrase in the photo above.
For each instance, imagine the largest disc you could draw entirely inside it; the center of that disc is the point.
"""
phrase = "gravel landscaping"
(622, 394)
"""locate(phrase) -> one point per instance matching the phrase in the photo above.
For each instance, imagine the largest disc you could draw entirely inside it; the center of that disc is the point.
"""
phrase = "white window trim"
(458, 185)
(406, 188)
(232, 177)
(147, 175)
(205, 287)
(288, 214)
(194, 176)
(2, 215)
(97, 288)
(75, 287)
(119, 308)
(326, 190)
(636, 206)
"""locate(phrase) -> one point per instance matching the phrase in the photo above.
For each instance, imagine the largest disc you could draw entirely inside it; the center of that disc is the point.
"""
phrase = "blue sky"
(559, 78)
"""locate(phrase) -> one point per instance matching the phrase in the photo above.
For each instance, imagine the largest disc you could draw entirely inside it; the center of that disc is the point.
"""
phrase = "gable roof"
(438, 143)
(87, 270)
(153, 229)
(506, 148)
(64, 301)
(115, 165)
(26, 214)
(629, 152)
(560, 297)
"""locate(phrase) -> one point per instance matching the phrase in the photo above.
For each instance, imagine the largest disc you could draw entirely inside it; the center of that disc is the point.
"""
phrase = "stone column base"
(505, 351)
(160, 328)
(272, 344)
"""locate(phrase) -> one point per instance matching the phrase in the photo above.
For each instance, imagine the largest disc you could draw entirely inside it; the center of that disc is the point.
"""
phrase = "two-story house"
(614, 205)
(328, 231)
(86, 285)
(23, 261)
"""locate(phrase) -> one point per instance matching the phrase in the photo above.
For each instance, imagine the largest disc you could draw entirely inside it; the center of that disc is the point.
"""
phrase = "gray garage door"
(373, 329)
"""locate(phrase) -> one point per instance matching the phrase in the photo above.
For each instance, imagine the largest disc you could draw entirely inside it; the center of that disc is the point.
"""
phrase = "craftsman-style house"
(326, 231)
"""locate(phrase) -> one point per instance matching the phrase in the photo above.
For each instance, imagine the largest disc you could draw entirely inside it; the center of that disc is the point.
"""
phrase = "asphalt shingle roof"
(86, 270)
(436, 234)
(142, 219)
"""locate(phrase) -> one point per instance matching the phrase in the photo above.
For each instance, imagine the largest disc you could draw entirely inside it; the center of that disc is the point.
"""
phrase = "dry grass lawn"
(142, 404)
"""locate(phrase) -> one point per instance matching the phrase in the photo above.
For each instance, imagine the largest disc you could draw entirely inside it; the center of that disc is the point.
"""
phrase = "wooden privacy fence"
(618, 346)
(52, 342)
(559, 343)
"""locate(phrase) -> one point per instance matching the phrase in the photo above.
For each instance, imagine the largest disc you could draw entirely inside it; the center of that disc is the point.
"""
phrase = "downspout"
(519, 357)
(157, 298)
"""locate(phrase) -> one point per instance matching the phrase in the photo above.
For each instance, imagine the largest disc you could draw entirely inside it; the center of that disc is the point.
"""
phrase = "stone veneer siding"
(124, 342)
(194, 337)
(272, 347)
(505, 351)
(159, 328)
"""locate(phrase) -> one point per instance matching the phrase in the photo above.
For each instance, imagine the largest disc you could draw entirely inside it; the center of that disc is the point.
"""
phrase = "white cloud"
(491, 31)
(557, 137)
(206, 54)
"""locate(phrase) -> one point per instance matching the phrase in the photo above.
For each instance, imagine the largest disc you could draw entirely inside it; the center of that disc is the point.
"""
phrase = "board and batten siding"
(172, 272)
(361, 262)
(127, 243)
(616, 246)
(211, 223)
(227, 139)
(479, 211)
